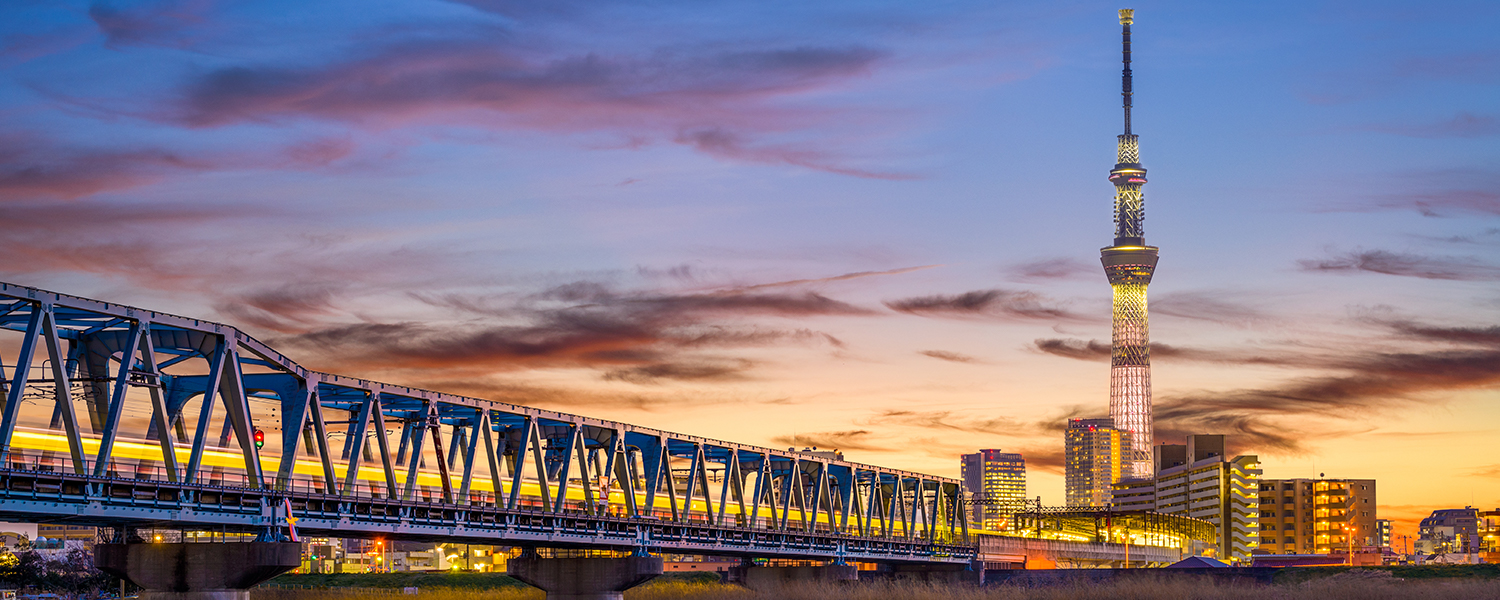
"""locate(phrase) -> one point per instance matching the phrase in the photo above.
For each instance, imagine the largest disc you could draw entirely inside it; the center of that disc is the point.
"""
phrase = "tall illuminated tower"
(1129, 264)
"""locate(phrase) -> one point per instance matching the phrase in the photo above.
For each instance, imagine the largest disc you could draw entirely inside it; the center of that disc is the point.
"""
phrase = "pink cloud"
(714, 102)
(587, 91)
(32, 167)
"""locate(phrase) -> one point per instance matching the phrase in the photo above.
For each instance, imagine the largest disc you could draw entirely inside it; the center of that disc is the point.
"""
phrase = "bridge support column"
(584, 578)
(934, 573)
(770, 578)
(201, 571)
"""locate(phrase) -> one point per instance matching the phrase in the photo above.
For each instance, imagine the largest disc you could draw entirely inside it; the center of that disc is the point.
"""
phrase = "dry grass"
(1331, 588)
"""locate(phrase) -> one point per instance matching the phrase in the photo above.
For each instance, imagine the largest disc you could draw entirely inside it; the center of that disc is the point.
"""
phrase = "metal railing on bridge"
(108, 396)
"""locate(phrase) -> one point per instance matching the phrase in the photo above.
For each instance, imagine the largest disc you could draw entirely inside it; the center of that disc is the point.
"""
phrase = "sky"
(871, 226)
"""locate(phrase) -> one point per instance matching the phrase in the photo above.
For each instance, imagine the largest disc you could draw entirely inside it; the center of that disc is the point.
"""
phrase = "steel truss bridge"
(122, 417)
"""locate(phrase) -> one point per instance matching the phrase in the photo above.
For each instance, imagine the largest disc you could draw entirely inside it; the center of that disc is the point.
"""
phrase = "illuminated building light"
(997, 483)
(1096, 455)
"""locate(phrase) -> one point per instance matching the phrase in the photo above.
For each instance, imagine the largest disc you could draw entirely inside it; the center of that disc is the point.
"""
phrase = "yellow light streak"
(228, 458)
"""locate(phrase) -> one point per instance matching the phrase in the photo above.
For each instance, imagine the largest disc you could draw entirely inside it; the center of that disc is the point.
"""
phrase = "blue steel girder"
(486, 455)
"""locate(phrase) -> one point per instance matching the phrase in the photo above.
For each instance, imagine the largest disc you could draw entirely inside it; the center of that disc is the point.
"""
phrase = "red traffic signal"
(260, 438)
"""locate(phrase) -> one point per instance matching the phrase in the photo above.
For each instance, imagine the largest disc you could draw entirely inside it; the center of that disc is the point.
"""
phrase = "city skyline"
(865, 227)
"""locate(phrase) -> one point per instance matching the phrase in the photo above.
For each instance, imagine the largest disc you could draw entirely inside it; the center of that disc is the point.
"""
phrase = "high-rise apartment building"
(1129, 264)
(1318, 516)
(1449, 530)
(996, 482)
(1197, 480)
(1096, 455)
(1383, 529)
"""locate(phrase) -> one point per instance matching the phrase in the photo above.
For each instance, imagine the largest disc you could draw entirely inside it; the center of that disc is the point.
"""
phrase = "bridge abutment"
(198, 571)
(584, 578)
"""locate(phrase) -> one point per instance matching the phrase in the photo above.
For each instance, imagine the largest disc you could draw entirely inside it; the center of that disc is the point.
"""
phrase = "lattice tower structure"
(1129, 263)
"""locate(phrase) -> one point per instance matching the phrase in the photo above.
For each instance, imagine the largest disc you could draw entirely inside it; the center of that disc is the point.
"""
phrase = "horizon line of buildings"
(1251, 514)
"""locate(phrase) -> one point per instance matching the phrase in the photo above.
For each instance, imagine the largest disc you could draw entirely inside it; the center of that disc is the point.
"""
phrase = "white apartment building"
(1222, 491)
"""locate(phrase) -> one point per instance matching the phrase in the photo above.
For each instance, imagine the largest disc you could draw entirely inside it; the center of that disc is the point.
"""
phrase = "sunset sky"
(871, 226)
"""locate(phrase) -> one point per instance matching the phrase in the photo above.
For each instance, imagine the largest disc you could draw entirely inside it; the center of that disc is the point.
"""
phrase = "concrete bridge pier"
(584, 578)
(770, 578)
(947, 573)
(198, 571)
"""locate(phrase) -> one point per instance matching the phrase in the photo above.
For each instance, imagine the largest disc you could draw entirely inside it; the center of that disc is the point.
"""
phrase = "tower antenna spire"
(1127, 16)
(1130, 263)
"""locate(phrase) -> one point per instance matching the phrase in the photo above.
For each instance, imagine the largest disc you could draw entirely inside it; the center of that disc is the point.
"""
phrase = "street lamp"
(1349, 536)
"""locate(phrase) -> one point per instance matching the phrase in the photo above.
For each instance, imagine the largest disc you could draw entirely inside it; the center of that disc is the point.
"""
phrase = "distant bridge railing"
(115, 398)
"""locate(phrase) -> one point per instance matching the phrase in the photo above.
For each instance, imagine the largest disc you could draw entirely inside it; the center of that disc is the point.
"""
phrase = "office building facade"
(1318, 516)
(1196, 480)
(996, 483)
(1096, 456)
(1449, 530)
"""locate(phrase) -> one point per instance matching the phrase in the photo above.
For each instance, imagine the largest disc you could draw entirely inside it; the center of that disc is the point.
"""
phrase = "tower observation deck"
(1129, 263)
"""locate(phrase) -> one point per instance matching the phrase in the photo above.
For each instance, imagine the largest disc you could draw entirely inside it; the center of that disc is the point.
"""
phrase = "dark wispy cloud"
(287, 308)
(1482, 336)
(844, 277)
(942, 420)
(640, 337)
(503, 388)
(1076, 349)
(856, 439)
(36, 42)
(725, 144)
(720, 370)
(1434, 193)
(1379, 77)
(1347, 386)
(1406, 265)
(948, 356)
(1005, 305)
(1356, 385)
(33, 167)
(152, 22)
(413, 79)
(1049, 458)
(1217, 307)
(1462, 125)
(1100, 351)
(1052, 268)
(715, 101)
(1439, 203)
(106, 238)
(1485, 237)
(1463, 67)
